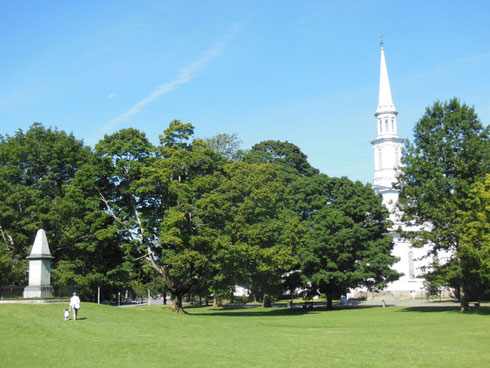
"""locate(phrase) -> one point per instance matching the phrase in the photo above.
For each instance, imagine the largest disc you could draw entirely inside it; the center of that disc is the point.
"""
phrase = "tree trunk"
(216, 302)
(177, 304)
(266, 301)
(463, 300)
(329, 301)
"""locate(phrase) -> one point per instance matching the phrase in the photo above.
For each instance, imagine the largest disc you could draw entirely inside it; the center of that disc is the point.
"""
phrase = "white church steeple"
(387, 160)
(385, 100)
(387, 145)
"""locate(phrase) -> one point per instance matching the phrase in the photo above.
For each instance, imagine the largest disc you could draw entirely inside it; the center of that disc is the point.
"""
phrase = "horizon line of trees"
(194, 216)
(187, 216)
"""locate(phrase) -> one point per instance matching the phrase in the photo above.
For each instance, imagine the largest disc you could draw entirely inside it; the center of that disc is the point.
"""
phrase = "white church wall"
(411, 264)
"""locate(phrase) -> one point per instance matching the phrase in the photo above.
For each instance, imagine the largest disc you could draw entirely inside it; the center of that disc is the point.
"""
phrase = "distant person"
(75, 305)
(67, 314)
(343, 300)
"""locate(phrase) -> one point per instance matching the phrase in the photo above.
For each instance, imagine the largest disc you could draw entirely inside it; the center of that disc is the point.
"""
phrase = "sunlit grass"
(105, 336)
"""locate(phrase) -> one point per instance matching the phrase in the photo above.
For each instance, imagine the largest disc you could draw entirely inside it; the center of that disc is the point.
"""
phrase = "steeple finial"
(381, 39)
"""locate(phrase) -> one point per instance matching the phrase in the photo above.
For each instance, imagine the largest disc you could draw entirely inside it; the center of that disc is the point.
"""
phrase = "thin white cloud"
(9, 100)
(184, 76)
(448, 69)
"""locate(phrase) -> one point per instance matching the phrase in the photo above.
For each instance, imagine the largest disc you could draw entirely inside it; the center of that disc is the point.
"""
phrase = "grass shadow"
(484, 311)
(237, 311)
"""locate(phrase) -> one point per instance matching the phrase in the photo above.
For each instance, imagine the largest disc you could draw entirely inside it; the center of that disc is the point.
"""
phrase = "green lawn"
(105, 336)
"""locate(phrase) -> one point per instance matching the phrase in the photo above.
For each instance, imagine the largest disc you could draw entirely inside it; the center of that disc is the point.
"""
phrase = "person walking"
(75, 305)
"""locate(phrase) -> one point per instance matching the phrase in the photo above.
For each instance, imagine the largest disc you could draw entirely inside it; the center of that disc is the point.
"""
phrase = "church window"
(380, 126)
(386, 124)
(392, 124)
(411, 266)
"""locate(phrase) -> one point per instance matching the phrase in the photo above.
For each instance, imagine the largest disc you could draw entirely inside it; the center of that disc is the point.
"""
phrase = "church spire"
(387, 145)
(385, 104)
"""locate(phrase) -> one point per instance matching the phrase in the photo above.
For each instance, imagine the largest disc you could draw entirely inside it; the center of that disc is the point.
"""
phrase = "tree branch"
(149, 256)
(109, 209)
(7, 238)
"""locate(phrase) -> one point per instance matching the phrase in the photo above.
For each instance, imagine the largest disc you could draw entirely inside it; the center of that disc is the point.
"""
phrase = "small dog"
(67, 315)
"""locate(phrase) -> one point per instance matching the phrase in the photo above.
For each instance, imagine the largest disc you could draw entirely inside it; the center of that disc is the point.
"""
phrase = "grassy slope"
(37, 336)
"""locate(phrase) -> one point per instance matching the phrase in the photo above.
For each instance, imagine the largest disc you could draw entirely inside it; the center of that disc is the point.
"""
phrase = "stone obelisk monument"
(39, 268)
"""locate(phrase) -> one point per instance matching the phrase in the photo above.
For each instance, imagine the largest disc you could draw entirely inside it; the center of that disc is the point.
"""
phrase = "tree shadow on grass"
(252, 313)
(484, 311)
(234, 311)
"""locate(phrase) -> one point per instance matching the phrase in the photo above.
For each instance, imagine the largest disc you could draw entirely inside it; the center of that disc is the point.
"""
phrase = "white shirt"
(75, 302)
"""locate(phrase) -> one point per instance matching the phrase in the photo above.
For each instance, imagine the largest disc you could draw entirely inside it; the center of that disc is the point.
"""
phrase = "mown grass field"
(105, 336)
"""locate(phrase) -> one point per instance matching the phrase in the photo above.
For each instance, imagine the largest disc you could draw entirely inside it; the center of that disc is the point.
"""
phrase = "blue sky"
(302, 71)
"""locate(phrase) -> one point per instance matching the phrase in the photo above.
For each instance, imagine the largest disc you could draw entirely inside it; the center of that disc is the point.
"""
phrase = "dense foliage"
(449, 156)
(37, 190)
(187, 216)
(346, 244)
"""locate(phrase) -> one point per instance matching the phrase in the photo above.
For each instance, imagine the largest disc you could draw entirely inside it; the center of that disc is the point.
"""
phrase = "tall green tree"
(36, 167)
(151, 193)
(346, 244)
(475, 239)
(256, 234)
(41, 188)
(473, 257)
(289, 159)
(449, 153)
(91, 256)
(227, 259)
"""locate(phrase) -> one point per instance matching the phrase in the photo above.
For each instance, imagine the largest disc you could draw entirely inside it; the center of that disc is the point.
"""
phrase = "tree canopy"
(190, 216)
(346, 245)
(228, 145)
(38, 190)
(449, 154)
(287, 156)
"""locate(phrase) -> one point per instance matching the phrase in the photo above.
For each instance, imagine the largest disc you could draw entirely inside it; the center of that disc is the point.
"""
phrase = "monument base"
(38, 291)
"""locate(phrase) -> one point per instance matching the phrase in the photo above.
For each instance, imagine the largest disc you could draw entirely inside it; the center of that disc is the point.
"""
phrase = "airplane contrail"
(185, 75)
